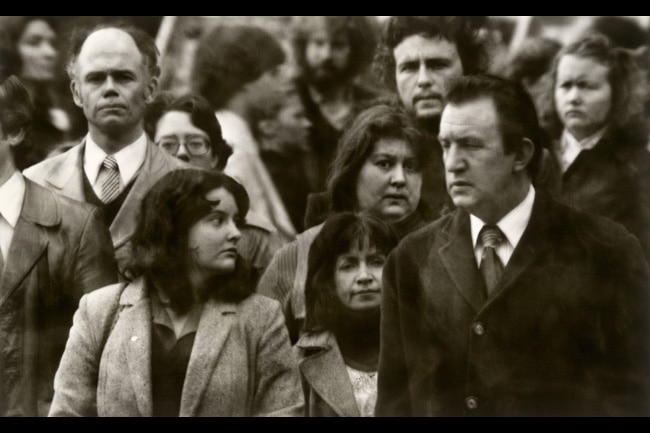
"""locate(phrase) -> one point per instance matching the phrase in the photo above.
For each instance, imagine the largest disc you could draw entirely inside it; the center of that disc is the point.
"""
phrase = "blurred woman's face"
(37, 51)
(583, 95)
(357, 276)
(178, 136)
(390, 180)
(212, 240)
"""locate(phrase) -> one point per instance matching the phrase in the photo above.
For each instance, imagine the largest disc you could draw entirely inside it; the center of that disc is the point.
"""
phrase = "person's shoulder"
(592, 228)
(429, 232)
(39, 169)
(258, 223)
(70, 211)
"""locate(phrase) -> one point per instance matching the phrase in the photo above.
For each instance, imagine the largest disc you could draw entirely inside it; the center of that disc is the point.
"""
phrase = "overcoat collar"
(327, 374)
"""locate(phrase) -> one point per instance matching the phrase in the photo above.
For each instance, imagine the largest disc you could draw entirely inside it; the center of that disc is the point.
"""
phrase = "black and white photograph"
(325, 216)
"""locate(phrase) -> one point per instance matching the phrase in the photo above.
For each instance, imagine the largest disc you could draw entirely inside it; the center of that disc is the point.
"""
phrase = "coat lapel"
(66, 173)
(532, 243)
(156, 165)
(28, 243)
(458, 258)
(326, 373)
(137, 331)
(214, 326)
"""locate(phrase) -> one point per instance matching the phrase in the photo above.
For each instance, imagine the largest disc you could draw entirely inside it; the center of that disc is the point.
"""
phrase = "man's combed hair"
(145, 43)
(515, 110)
(16, 107)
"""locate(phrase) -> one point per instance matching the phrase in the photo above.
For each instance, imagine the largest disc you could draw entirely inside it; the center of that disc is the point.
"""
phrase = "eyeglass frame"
(206, 143)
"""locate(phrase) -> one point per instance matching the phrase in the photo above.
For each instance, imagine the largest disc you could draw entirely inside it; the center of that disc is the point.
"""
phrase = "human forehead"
(222, 200)
(392, 146)
(421, 47)
(177, 122)
(477, 115)
(578, 67)
(38, 28)
(110, 49)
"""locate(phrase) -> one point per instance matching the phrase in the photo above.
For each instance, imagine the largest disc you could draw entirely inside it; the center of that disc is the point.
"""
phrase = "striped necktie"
(109, 180)
(491, 267)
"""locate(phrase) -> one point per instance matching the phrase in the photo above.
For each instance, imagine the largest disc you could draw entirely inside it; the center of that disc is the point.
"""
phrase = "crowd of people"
(457, 236)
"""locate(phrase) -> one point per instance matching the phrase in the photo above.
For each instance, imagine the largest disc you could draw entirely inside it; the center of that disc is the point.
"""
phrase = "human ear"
(523, 154)
(76, 95)
(268, 127)
(16, 138)
(150, 89)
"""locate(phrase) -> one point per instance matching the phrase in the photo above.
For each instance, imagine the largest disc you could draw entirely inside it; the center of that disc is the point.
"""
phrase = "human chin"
(394, 212)
(223, 265)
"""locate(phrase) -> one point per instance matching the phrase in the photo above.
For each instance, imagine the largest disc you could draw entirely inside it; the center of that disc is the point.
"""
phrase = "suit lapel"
(327, 375)
(137, 329)
(214, 326)
(66, 175)
(458, 258)
(154, 167)
(28, 243)
(532, 243)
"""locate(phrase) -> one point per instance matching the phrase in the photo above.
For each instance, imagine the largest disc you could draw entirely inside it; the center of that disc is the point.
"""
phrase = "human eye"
(197, 144)
(94, 78)
(383, 163)
(345, 264)
(377, 260)
(412, 165)
(409, 66)
(216, 218)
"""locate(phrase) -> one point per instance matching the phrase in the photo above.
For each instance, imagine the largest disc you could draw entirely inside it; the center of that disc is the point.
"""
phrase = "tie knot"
(491, 236)
(110, 163)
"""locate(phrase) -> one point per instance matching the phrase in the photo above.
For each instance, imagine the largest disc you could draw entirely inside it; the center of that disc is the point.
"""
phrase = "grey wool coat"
(241, 363)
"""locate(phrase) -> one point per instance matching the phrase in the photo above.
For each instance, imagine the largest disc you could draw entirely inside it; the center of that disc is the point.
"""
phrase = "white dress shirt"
(129, 160)
(570, 147)
(12, 195)
(512, 225)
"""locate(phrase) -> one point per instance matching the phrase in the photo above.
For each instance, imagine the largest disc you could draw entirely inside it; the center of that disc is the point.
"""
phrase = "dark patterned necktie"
(491, 266)
(109, 180)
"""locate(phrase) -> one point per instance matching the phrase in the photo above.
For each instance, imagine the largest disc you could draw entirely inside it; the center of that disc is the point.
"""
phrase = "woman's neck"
(358, 339)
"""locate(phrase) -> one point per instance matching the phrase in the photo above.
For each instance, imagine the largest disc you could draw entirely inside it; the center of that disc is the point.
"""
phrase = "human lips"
(427, 97)
(459, 184)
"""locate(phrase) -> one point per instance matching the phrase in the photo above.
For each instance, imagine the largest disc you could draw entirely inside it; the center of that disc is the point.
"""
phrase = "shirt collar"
(512, 224)
(569, 141)
(12, 195)
(129, 159)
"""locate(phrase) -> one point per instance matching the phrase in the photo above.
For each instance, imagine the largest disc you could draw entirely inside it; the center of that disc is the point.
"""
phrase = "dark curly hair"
(464, 32)
(361, 31)
(160, 242)
(201, 114)
(339, 233)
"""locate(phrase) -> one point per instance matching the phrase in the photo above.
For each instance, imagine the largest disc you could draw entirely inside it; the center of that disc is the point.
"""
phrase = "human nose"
(49, 50)
(397, 177)
(109, 86)
(363, 277)
(573, 95)
(326, 51)
(424, 77)
(234, 234)
(453, 159)
(182, 150)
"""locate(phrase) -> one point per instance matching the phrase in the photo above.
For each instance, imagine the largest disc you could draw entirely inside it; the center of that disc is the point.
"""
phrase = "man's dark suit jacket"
(60, 250)
(566, 334)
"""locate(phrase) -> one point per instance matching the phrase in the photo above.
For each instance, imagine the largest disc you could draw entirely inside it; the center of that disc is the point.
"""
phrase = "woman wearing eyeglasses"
(187, 128)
